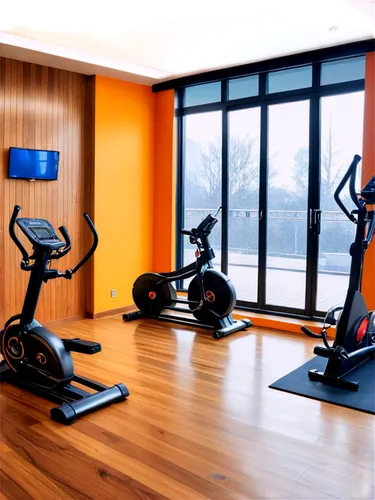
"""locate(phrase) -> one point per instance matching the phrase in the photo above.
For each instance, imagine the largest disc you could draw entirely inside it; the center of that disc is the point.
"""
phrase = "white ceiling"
(150, 41)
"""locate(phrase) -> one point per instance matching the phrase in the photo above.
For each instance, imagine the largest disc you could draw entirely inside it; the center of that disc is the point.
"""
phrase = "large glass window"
(243, 166)
(341, 139)
(251, 144)
(288, 174)
(202, 177)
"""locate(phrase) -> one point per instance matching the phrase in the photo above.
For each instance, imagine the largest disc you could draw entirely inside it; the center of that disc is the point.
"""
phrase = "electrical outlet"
(113, 294)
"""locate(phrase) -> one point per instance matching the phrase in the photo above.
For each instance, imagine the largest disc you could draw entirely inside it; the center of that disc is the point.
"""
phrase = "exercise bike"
(36, 359)
(354, 342)
(211, 295)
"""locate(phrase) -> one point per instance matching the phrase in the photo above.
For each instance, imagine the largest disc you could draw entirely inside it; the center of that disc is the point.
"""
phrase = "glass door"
(273, 166)
(202, 178)
(341, 139)
(287, 197)
(243, 201)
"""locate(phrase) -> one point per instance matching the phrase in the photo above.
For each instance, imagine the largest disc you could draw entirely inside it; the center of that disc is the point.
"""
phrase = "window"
(259, 159)
(202, 186)
(202, 94)
(289, 79)
(341, 139)
(288, 185)
(244, 168)
(346, 70)
(247, 86)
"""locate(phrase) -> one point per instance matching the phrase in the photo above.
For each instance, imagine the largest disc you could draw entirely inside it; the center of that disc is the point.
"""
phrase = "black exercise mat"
(298, 382)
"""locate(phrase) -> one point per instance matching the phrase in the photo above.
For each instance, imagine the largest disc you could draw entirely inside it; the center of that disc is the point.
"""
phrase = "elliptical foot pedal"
(82, 346)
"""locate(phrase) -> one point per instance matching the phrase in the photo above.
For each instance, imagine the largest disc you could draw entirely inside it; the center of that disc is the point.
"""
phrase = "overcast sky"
(289, 130)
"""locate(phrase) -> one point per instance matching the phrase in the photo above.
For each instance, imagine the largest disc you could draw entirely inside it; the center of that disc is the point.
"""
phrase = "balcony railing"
(286, 236)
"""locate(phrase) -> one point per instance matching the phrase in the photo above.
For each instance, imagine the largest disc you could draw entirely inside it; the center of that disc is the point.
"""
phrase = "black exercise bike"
(355, 326)
(211, 295)
(36, 359)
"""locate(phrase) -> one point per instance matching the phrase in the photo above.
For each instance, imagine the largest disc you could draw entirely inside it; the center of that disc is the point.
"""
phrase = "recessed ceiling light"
(333, 28)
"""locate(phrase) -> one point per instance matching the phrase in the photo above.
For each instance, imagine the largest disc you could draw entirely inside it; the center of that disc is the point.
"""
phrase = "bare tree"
(243, 163)
(330, 173)
(300, 178)
(210, 172)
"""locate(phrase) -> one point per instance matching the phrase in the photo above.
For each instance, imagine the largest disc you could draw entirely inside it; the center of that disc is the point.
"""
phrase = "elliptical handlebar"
(67, 247)
(53, 273)
(371, 230)
(350, 176)
(93, 246)
(353, 194)
(12, 223)
(25, 256)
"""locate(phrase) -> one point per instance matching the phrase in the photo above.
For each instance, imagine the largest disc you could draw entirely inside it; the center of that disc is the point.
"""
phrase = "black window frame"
(313, 94)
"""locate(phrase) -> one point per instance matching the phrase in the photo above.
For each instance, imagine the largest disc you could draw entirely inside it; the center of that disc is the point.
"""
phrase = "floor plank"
(337, 485)
(200, 423)
(57, 464)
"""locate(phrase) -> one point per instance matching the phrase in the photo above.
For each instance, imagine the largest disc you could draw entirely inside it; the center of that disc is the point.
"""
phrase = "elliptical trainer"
(211, 295)
(355, 331)
(36, 359)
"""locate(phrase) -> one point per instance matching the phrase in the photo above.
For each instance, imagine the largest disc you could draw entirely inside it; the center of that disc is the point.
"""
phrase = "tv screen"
(33, 164)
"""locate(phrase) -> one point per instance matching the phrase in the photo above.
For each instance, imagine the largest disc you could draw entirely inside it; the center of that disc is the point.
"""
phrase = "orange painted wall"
(135, 173)
(368, 169)
(124, 188)
(164, 183)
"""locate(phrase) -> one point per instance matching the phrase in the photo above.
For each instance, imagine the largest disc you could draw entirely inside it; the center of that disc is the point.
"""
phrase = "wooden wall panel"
(46, 108)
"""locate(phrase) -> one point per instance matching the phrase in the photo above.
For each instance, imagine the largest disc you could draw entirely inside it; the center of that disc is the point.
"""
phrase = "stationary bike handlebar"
(351, 177)
(204, 228)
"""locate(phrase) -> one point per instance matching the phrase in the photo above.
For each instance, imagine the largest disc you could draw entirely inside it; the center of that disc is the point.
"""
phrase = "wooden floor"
(200, 423)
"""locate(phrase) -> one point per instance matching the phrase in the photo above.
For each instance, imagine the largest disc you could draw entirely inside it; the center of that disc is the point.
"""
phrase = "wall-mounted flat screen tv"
(33, 164)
